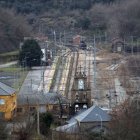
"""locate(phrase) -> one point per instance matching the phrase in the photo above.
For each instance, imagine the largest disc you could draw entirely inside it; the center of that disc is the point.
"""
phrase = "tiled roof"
(40, 98)
(6, 90)
(90, 115)
(69, 128)
(93, 114)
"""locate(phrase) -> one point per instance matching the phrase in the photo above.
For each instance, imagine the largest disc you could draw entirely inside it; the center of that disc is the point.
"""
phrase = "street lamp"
(116, 98)
(101, 120)
(101, 130)
(109, 98)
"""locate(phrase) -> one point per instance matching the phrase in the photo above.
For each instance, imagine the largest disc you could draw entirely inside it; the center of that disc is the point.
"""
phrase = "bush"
(46, 119)
(83, 23)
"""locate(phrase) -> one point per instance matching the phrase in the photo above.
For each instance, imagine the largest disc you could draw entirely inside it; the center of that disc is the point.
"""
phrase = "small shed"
(77, 39)
(117, 45)
(94, 119)
(29, 103)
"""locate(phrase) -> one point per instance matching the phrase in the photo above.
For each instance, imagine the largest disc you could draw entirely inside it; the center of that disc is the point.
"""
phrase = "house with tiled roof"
(7, 101)
(29, 103)
(94, 119)
(77, 39)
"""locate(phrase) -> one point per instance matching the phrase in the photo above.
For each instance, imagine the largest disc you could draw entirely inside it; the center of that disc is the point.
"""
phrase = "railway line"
(60, 78)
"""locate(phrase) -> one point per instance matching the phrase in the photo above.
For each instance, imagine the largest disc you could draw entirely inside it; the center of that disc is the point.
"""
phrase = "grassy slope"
(17, 75)
(9, 56)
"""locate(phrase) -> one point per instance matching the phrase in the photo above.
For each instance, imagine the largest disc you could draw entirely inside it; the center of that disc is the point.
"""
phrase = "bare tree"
(129, 73)
(125, 122)
(13, 29)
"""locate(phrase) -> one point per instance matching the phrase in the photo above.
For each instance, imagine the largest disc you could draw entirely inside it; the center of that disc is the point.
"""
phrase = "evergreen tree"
(30, 54)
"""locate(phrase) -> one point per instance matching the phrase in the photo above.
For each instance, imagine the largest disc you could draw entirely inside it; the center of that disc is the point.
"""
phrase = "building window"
(55, 107)
(84, 95)
(2, 101)
(1, 115)
(32, 108)
(19, 110)
(80, 84)
(77, 97)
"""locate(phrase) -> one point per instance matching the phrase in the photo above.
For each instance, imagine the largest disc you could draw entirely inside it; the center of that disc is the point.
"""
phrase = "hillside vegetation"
(45, 15)
(13, 28)
(40, 6)
(119, 18)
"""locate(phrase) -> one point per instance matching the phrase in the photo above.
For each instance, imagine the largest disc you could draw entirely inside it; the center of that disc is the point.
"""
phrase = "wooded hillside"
(119, 18)
(13, 28)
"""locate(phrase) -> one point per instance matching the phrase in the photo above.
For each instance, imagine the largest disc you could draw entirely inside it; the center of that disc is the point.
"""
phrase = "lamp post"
(109, 98)
(101, 130)
(116, 98)
(100, 120)
(38, 119)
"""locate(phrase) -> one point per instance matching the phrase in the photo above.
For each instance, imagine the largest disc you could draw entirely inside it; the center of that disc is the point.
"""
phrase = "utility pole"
(65, 40)
(28, 109)
(132, 42)
(60, 39)
(85, 61)
(105, 38)
(60, 42)
(94, 51)
(31, 85)
(64, 37)
(124, 47)
(54, 43)
(94, 65)
(38, 119)
(137, 47)
(89, 69)
(43, 81)
(42, 76)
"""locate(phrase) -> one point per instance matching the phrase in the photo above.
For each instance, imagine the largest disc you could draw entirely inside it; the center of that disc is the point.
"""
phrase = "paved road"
(32, 81)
